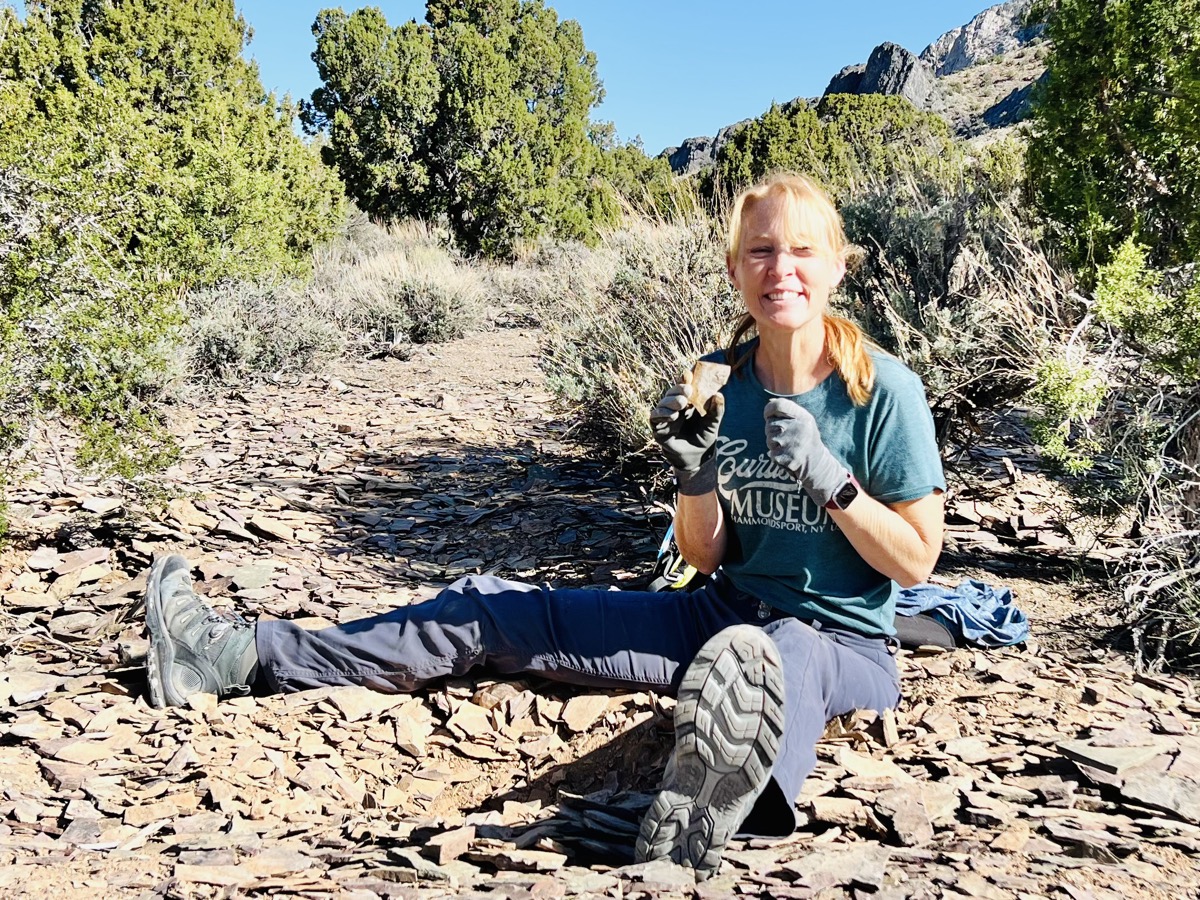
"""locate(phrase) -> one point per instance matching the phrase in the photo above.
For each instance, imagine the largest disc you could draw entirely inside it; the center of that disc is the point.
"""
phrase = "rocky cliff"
(890, 70)
(698, 153)
(994, 32)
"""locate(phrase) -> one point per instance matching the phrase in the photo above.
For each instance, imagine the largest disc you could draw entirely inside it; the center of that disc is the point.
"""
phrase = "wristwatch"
(846, 493)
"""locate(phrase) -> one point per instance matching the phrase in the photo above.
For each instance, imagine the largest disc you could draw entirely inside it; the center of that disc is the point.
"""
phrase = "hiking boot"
(193, 650)
(728, 724)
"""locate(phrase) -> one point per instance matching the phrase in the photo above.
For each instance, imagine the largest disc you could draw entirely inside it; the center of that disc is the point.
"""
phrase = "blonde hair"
(811, 218)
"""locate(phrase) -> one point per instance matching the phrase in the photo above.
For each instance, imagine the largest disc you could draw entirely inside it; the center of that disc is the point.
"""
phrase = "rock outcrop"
(997, 30)
(698, 153)
(693, 155)
(848, 80)
(890, 70)
(977, 77)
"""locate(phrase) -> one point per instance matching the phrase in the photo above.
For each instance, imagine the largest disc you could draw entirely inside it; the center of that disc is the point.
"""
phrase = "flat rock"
(470, 721)
(971, 750)
(863, 866)
(272, 528)
(81, 559)
(425, 869)
(254, 576)
(1113, 759)
(869, 767)
(1013, 838)
(43, 559)
(661, 873)
(358, 703)
(86, 752)
(911, 822)
(137, 816)
(450, 845)
(844, 811)
(102, 506)
(25, 687)
(581, 712)
(275, 861)
(187, 515)
(1179, 796)
(940, 801)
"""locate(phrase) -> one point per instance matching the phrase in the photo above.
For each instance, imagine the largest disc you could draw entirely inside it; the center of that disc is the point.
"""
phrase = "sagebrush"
(613, 346)
(374, 291)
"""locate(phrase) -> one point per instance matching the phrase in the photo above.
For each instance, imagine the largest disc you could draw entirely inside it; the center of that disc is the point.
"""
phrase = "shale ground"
(1049, 770)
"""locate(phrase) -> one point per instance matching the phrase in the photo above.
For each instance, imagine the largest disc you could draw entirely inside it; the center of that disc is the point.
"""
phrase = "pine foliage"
(1115, 150)
(847, 141)
(139, 157)
(479, 116)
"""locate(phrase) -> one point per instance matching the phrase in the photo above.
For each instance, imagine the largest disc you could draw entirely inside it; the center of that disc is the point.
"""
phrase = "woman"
(811, 487)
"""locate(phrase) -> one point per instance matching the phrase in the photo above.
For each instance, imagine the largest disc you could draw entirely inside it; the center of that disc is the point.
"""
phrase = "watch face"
(848, 492)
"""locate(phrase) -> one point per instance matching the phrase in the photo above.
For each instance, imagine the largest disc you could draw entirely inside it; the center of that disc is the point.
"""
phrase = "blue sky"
(671, 70)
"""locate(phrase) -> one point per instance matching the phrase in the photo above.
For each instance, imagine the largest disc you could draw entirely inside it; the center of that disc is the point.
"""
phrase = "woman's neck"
(793, 362)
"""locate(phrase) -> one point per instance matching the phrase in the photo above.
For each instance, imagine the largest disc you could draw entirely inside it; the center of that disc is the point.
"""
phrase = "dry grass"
(655, 300)
(374, 291)
(957, 287)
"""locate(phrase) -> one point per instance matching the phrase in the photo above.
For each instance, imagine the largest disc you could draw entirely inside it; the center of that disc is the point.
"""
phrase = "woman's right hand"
(687, 436)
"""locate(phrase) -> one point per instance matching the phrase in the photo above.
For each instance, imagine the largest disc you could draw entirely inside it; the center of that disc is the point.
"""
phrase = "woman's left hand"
(794, 442)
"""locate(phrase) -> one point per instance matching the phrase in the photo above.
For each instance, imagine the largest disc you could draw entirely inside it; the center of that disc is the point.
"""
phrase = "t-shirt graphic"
(757, 492)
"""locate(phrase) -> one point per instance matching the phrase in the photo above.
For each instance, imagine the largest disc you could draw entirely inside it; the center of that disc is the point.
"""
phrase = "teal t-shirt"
(785, 549)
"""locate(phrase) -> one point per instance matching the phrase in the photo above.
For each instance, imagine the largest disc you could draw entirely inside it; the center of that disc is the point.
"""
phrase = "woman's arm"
(700, 531)
(899, 540)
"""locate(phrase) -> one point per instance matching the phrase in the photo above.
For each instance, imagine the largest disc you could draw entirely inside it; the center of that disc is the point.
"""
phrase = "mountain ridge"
(977, 77)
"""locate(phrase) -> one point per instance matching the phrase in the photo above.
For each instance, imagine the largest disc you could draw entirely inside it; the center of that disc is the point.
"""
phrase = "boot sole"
(728, 725)
(161, 656)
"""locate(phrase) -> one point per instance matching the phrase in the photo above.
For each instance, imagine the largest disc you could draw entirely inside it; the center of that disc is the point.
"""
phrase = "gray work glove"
(794, 443)
(688, 436)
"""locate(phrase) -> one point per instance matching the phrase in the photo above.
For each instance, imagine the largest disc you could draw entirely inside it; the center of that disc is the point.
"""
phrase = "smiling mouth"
(778, 296)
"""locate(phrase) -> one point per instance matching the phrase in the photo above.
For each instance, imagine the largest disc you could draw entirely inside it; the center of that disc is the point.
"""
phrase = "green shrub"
(148, 116)
(139, 157)
(77, 334)
(1150, 426)
(1115, 146)
(1067, 394)
(1114, 170)
(955, 285)
(241, 328)
(848, 142)
(646, 184)
(1157, 311)
(438, 312)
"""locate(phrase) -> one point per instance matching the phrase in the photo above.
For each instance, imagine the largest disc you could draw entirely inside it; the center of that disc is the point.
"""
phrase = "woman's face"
(785, 280)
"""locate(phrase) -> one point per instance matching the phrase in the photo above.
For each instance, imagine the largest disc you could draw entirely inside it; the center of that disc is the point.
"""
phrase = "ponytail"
(846, 349)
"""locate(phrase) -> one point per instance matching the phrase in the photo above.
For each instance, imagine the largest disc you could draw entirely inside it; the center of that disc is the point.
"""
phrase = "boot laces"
(222, 625)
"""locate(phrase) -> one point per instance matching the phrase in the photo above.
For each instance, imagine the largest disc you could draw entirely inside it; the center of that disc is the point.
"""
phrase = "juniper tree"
(140, 156)
(845, 141)
(479, 115)
(151, 101)
(1115, 149)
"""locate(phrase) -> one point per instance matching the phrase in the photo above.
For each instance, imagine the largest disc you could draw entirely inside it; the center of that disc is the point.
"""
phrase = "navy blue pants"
(593, 638)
